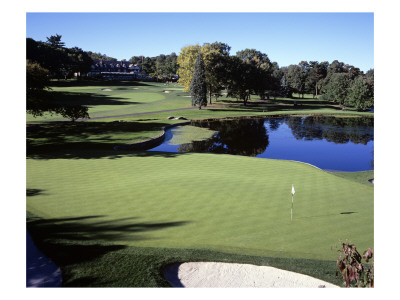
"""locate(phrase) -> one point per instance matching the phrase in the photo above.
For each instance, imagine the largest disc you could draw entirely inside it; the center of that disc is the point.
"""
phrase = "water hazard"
(331, 143)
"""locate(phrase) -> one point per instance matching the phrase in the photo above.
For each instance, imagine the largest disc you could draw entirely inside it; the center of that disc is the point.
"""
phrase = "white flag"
(293, 191)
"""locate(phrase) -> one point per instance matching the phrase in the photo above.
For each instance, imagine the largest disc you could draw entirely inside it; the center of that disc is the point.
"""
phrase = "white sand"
(229, 275)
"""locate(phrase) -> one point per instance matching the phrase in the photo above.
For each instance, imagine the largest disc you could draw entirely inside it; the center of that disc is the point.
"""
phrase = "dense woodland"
(246, 74)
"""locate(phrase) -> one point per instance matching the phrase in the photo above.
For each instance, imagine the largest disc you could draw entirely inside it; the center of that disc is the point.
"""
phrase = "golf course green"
(202, 201)
(115, 218)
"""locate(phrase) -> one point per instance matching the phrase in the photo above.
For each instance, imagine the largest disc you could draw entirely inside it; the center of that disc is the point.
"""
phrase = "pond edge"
(150, 143)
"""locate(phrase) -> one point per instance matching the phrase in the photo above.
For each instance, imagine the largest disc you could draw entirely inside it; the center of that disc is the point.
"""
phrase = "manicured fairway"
(114, 100)
(231, 204)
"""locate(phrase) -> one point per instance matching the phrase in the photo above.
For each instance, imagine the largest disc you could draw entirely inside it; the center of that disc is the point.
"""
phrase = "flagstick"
(291, 214)
(291, 211)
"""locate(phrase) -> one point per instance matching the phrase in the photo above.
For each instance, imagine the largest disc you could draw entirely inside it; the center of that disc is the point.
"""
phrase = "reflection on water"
(336, 130)
(344, 144)
(238, 137)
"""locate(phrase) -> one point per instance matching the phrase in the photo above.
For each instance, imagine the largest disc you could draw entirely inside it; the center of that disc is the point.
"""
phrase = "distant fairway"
(113, 100)
(231, 204)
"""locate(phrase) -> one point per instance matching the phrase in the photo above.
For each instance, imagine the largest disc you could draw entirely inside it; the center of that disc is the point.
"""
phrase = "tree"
(99, 56)
(241, 81)
(260, 71)
(215, 57)
(338, 87)
(275, 81)
(296, 78)
(60, 61)
(170, 64)
(55, 41)
(78, 61)
(360, 94)
(186, 61)
(317, 72)
(333, 68)
(369, 76)
(38, 97)
(198, 88)
(215, 60)
(148, 65)
(284, 89)
(37, 84)
(352, 71)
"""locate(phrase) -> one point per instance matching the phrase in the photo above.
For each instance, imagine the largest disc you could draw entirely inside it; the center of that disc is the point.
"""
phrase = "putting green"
(227, 203)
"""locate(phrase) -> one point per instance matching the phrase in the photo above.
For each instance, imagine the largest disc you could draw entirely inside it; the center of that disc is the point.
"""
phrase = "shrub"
(354, 272)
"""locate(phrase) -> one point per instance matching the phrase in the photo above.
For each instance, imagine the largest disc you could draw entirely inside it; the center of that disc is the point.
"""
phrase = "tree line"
(161, 67)
(64, 62)
(251, 72)
(52, 60)
(60, 61)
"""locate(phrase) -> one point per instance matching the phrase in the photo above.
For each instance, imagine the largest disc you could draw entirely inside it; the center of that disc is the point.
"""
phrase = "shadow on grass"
(34, 192)
(88, 99)
(329, 215)
(83, 240)
(84, 228)
(72, 83)
(86, 139)
(270, 108)
(99, 153)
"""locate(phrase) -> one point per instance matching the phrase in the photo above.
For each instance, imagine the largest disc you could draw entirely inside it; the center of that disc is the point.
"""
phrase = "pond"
(330, 143)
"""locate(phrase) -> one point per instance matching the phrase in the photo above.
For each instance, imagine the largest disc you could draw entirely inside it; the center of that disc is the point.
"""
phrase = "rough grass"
(225, 203)
(361, 177)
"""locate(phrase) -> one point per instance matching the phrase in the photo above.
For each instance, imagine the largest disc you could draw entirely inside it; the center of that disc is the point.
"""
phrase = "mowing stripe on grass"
(228, 203)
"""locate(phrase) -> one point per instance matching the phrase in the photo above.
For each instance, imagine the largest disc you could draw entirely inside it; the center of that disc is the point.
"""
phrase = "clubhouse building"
(115, 70)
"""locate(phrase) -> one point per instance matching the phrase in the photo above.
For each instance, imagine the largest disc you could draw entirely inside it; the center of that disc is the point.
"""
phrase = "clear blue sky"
(286, 38)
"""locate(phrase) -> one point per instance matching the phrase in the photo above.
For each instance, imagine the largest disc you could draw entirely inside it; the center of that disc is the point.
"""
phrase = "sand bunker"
(229, 275)
(106, 90)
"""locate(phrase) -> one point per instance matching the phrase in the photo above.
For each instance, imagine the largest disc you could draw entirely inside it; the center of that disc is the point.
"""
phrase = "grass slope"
(225, 203)
(361, 177)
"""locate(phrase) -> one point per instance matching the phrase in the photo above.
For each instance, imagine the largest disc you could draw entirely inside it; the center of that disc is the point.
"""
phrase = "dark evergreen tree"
(284, 88)
(198, 87)
(55, 41)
